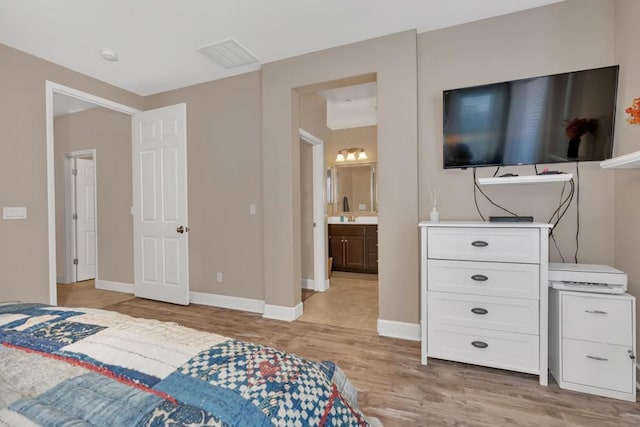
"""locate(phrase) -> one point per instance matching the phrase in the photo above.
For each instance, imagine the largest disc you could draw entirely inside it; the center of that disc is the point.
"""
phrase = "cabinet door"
(336, 250)
(372, 262)
(354, 255)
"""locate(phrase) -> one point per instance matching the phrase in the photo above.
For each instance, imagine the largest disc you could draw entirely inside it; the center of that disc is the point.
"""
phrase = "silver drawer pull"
(479, 243)
(595, 312)
(601, 359)
(479, 310)
(479, 344)
(479, 278)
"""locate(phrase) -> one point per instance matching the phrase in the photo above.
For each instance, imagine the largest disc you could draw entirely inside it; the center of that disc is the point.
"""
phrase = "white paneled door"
(85, 219)
(160, 230)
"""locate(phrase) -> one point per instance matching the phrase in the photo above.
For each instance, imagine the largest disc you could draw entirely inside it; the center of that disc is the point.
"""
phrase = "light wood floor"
(393, 385)
(351, 302)
(84, 294)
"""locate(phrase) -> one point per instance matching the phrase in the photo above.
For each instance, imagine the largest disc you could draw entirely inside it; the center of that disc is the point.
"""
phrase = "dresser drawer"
(484, 244)
(518, 352)
(597, 319)
(501, 314)
(597, 365)
(483, 278)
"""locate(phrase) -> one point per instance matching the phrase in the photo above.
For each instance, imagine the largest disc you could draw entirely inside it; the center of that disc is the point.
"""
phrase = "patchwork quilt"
(63, 366)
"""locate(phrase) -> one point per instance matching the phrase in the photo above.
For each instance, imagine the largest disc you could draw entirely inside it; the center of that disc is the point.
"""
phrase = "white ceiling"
(351, 106)
(63, 105)
(157, 39)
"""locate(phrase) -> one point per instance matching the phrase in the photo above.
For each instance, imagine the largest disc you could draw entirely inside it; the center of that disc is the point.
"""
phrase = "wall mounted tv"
(558, 118)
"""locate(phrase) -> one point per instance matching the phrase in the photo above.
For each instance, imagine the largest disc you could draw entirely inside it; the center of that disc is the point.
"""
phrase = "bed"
(68, 366)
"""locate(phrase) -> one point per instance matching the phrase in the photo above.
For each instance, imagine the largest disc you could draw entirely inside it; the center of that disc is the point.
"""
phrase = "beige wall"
(24, 257)
(224, 152)
(109, 133)
(313, 119)
(571, 35)
(627, 181)
(393, 60)
(306, 210)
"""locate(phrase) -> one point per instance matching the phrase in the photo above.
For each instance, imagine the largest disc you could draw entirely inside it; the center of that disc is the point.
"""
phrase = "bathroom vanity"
(354, 247)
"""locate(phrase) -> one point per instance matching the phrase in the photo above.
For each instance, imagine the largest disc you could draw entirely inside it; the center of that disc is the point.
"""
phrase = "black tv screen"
(558, 118)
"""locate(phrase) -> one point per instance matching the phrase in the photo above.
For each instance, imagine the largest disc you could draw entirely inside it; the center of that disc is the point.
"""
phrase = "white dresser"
(484, 294)
(592, 343)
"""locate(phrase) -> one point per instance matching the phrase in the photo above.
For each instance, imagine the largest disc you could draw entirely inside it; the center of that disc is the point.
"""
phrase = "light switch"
(252, 209)
(14, 212)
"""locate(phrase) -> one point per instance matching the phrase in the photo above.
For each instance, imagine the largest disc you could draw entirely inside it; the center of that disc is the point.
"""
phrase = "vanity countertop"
(359, 219)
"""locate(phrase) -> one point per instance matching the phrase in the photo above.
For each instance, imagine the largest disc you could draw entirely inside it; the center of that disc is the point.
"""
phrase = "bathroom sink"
(363, 219)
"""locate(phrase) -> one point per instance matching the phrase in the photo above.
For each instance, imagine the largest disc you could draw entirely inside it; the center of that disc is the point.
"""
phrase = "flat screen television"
(558, 118)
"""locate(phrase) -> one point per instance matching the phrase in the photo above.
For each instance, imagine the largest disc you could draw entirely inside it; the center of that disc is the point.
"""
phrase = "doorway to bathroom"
(344, 116)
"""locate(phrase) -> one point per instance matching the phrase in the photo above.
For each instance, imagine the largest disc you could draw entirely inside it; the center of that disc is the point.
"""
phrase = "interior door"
(85, 219)
(160, 231)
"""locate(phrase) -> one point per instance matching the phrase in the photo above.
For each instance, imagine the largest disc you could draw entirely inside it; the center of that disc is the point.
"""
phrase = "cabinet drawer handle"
(601, 359)
(479, 344)
(479, 243)
(478, 310)
(479, 278)
(595, 312)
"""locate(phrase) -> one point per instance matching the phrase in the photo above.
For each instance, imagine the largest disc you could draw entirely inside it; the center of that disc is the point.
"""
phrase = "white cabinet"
(592, 343)
(484, 294)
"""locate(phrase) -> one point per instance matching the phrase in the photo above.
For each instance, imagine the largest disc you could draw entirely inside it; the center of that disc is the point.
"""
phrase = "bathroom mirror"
(353, 188)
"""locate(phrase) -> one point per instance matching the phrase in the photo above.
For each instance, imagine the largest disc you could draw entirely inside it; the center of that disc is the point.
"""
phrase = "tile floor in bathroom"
(350, 302)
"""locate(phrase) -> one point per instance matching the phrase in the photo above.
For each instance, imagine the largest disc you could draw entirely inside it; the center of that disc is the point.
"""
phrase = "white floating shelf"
(526, 179)
(628, 161)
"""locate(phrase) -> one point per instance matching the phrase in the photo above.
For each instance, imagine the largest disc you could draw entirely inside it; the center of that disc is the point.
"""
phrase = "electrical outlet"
(219, 277)
(252, 209)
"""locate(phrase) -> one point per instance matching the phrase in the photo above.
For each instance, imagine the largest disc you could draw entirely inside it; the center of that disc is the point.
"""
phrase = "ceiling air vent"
(228, 54)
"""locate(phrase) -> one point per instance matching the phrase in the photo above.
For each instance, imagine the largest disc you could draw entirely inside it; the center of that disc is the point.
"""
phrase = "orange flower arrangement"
(577, 127)
(634, 112)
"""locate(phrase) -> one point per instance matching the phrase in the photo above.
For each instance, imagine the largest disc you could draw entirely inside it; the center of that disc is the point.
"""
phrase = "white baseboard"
(311, 284)
(107, 285)
(325, 287)
(308, 284)
(279, 312)
(402, 330)
(60, 279)
(225, 301)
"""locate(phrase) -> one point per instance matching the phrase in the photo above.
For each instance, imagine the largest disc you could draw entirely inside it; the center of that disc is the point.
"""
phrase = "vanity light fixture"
(351, 154)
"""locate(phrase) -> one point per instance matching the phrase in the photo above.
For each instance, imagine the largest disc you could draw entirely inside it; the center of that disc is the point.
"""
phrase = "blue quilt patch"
(229, 407)
(88, 399)
(18, 308)
(168, 414)
(279, 384)
(125, 373)
(49, 336)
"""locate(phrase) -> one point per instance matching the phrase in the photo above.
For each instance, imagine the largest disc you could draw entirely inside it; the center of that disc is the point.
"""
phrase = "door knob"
(182, 229)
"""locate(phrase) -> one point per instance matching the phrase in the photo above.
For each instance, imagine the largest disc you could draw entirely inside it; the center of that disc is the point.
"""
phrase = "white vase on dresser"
(484, 294)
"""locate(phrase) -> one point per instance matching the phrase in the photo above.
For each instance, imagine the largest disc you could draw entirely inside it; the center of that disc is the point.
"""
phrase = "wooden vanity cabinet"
(354, 247)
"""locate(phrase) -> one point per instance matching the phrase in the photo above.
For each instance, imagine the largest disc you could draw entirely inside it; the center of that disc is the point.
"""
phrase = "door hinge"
(314, 225)
(75, 261)
(74, 216)
(74, 172)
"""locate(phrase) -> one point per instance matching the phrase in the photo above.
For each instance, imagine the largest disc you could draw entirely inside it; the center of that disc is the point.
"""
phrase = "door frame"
(50, 89)
(321, 282)
(70, 243)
